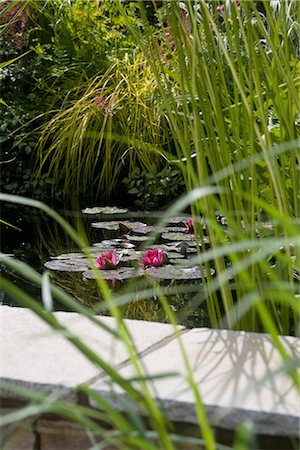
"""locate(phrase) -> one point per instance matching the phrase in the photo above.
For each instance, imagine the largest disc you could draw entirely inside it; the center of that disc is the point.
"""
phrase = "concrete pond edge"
(240, 375)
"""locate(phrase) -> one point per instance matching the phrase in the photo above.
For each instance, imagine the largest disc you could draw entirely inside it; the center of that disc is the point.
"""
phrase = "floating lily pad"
(111, 225)
(123, 273)
(178, 236)
(174, 255)
(106, 243)
(136, 227)
(182, 237)
(179, 219)
(192, 250)
(140, 238)
(174, 261)
(131, 256)
(173, 230)
(98, 248)
(176, 273)
(104, 210)
(127, 245)
(67, 265)
(67, 256)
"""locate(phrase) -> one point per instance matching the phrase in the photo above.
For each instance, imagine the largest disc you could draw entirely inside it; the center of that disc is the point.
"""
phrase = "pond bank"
(237, 373)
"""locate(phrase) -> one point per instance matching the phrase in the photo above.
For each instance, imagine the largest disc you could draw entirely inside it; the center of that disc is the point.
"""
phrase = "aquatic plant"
(108, 260)
(189, 225)
(154, 257)
(234, 127)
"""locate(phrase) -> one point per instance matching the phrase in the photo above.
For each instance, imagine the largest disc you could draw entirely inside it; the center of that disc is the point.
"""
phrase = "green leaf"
(11, 61)
(133, 191)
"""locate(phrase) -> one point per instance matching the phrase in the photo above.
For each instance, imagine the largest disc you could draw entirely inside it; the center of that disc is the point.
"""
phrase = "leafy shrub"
(69, 43)
(153, 188)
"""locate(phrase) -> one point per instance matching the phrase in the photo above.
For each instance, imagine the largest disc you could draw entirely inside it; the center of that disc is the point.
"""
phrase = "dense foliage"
(69, 44)
(211, 95)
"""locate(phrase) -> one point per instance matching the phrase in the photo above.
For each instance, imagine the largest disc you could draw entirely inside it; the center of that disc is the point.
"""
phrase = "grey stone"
(37, 357)
(239, 376)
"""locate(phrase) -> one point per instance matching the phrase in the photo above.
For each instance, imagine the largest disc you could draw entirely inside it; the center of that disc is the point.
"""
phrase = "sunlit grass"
(231, 98)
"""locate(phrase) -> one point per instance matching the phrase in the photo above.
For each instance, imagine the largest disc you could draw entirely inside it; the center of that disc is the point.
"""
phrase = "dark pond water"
(41, 241)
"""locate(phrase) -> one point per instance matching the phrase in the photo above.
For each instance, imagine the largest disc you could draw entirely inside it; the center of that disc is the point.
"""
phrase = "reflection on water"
(42, 238)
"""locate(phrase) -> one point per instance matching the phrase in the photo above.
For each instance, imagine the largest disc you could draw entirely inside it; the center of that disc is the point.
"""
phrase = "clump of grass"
(232, 103)
(115, 124)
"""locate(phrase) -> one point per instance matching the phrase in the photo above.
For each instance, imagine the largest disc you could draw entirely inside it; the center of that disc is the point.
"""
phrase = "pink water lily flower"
(108, 260)
(154, 257)
(189, 225)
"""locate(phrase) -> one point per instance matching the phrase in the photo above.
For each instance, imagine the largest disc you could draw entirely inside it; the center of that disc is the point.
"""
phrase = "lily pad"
(123, 273)
(174, 255)
(67, 256)
(111, 225)
(178, 236)
(174, 261)
(181, 248)
(173, 230)
(179, 219)
(67, 265)
(136, 227)
(182, 237)
(135, 238)
(104, 210)
(98, 248)
(106, 243)
(176, 273)
(130, 256)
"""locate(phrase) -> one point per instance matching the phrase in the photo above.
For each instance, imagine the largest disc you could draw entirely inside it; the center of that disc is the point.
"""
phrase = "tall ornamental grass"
(231, 95)
(115, 123)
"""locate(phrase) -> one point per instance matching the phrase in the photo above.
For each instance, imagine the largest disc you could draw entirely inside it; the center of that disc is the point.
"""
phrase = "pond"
(43, 245)
(128, 236)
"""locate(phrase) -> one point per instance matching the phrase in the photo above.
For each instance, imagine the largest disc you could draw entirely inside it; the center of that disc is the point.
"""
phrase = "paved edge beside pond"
(239, 375)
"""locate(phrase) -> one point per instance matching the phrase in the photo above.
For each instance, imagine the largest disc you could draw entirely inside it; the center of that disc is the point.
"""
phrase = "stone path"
(238, 374)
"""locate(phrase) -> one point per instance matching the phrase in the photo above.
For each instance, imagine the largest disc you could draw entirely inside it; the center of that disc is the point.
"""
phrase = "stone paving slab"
(237, 376)
(34, 356)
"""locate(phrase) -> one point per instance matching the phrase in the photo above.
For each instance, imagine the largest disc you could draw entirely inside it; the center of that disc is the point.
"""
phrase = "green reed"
(230, 92)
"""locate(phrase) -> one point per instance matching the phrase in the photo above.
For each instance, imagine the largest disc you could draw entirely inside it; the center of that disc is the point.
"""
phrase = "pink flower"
(108, 260)
(100, 102)
(220, 10)
(108, 112)
(154, 257)
(189, 225)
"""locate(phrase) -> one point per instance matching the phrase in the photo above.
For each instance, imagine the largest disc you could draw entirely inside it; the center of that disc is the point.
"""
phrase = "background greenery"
(224, 91)
(78, 51)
